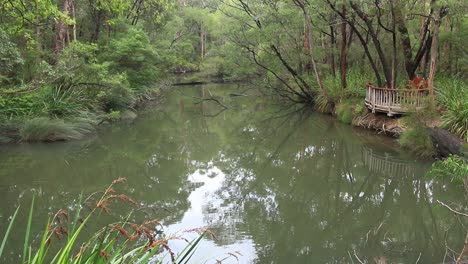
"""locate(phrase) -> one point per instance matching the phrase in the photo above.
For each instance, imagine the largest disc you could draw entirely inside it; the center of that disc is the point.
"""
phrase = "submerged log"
(446, 143)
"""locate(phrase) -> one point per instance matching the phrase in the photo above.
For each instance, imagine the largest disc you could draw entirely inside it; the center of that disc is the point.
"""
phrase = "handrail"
(394, 101)
(394, 89)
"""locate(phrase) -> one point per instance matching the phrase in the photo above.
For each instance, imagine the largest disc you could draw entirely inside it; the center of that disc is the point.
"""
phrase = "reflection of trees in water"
(318, 202)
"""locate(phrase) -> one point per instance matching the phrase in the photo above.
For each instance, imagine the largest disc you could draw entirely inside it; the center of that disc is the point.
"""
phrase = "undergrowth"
(417, 140)
(454, 168)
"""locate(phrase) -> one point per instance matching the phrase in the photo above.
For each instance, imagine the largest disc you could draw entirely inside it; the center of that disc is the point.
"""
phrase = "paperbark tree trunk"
(61, 29)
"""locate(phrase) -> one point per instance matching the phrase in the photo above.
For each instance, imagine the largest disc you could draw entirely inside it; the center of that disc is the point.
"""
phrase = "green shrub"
(115, 98)
(131, 53)
(359, 109)
(49, 130)
(10, 58)
(20, 105)
(344, 112)
(417, 139)
(454, 168)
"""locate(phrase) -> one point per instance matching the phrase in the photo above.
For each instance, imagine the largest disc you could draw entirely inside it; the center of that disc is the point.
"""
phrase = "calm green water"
(278, 185)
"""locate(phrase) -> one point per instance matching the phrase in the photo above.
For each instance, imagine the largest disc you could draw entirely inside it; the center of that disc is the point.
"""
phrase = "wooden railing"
(395, 101)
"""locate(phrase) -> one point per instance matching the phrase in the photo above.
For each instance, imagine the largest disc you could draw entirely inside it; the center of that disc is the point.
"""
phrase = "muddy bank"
(444, 142)
(381, 123)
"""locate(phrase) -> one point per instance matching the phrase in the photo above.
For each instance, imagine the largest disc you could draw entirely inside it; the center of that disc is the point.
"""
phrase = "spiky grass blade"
(5, 238)
(28, 230)
(43, 248)
(188, 252)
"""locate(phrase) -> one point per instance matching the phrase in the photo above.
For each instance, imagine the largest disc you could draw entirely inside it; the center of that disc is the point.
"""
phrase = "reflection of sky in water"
(203, 204)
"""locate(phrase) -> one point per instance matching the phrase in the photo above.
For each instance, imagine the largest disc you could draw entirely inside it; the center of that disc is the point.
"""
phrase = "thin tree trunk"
(202, 43)
(61, 30)
(97, 28)
(363, 41)
(331, 42)
(72, 6)
(343, 62)
(309, 46)
(434, 54)
(394, 43)
(374, 36)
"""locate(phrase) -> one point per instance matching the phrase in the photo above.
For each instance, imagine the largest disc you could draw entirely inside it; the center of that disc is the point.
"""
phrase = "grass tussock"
(454, 98)
(43, 129)
(344, 112)
(418, 141)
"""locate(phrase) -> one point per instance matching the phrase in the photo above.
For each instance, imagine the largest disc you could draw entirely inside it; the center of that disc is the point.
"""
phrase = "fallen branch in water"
(452, 210)
(209, 99)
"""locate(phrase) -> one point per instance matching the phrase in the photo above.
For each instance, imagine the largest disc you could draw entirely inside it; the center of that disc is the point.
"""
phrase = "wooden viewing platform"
(395, 101)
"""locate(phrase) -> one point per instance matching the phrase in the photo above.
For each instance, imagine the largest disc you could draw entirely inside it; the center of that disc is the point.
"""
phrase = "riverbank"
(444, 142)
(44, 128)
(40, 129)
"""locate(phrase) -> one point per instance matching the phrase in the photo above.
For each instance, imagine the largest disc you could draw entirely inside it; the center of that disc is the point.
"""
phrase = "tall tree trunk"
(97, 26)
(331, 42)
(61, 29)
(72, 7)
(394, 44)
(309, 46)
(202, 43)
(375, 39)
(343, 62)
(434, 54)
(363, 40)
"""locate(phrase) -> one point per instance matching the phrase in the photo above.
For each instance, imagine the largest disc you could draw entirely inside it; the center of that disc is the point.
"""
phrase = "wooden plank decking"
(395, 101)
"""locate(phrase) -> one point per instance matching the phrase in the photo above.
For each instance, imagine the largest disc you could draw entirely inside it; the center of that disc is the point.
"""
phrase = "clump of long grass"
(344, 112)
(323, 104)
(453, 96)
(53, 129)
(60, 102)
(122, 242)
(417, 140)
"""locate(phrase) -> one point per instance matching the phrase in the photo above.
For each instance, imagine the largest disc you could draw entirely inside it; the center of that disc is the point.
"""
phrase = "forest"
(67, 63)
(70, 67)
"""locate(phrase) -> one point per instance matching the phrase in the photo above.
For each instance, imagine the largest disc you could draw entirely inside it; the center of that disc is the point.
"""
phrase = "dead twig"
(356, 256)
(464, 250)
(452, 210)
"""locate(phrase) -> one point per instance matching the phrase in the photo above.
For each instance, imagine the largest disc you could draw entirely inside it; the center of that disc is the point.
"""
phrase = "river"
(276, 184)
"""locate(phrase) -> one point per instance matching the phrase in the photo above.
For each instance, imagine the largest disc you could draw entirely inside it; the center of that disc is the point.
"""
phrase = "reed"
(120, 242)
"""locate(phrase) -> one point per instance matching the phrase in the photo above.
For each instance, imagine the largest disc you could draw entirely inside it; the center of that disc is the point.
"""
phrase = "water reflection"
(283, 186)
